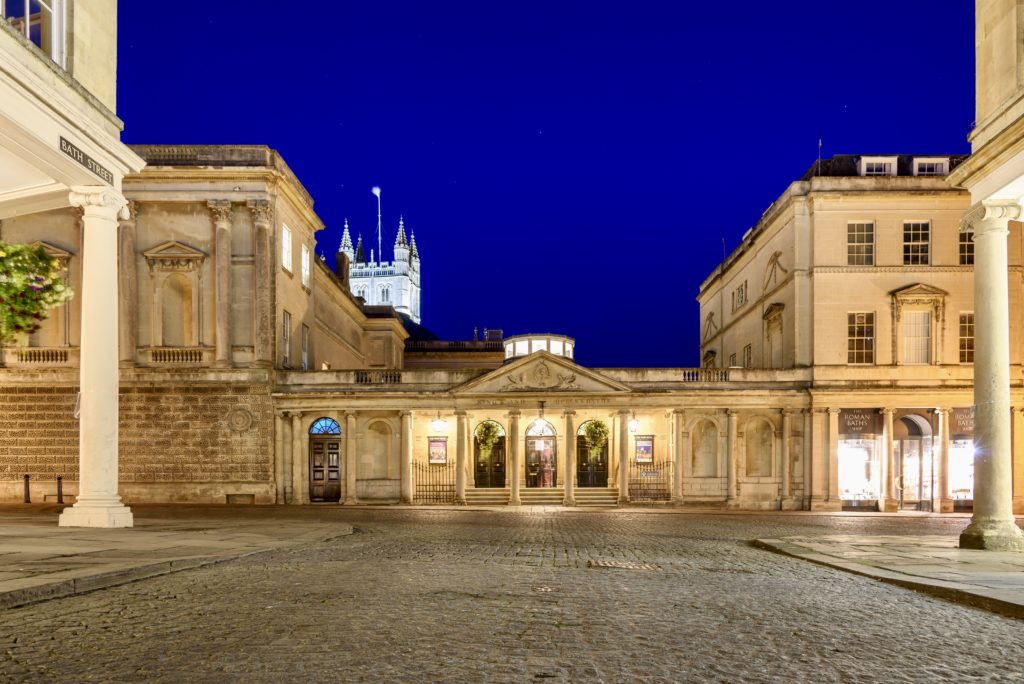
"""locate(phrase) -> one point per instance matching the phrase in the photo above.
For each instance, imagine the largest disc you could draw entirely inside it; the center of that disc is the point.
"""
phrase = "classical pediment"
(919, 290)
(174, 256)
(541, 372)
(61, 255)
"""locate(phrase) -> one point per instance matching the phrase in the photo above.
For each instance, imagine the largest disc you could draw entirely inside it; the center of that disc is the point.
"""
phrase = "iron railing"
(435, 483)
(649, 481)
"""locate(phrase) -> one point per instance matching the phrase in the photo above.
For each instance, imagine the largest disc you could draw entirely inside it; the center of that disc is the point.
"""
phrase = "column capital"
(679, 412)
(886, 411)
(221, 210)
(569, 413)
(260, 209)
(786, 413)
(405, 414)
(731, 412)
(350, 414)
(990, 215)
(514, 413)
(459, 412)
(833, 411)
(624, 412)
(132, 209)
(99, 197)
(939, 411)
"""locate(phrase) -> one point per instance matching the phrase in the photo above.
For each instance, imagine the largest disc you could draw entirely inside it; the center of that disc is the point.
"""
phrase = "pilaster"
(623, 457)
(461, 436)
(221, 213)
(889, 502)
(295, 461)
(941, 501)
(263, 303)
(785, 489)
(680, 452)
(406, 484)
(128, 295)
(731, 441)
(350, 497)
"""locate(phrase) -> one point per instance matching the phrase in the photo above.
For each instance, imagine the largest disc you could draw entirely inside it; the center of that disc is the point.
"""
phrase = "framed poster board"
(437, 450)
(645, 448)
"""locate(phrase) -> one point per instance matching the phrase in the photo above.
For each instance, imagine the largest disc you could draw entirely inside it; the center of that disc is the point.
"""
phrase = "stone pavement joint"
(990, 580)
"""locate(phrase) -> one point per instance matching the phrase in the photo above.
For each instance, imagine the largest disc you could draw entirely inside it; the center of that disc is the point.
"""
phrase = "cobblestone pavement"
(452, 596)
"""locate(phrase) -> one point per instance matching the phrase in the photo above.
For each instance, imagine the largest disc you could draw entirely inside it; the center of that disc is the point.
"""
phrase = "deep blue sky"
(566, 167)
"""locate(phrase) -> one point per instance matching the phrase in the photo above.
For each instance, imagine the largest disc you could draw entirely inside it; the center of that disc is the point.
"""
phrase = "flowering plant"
(487, 435)
(31, 284)
(596, 433)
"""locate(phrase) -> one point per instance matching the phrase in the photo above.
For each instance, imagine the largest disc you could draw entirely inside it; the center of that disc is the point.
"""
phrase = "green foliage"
(487, 435)
(596, 433)
(31, 284)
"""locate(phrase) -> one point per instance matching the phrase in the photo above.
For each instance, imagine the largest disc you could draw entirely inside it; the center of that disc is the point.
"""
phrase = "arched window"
(705, 449)
(176, 310)
(501, 430)
(385, 295)
(540, 428)
(759, 440)
(325, 426)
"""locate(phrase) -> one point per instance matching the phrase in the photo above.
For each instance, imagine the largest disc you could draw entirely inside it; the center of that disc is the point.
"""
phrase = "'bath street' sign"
(70, 149)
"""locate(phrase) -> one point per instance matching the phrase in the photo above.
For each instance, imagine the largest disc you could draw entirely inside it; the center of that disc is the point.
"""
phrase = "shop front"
(961, 458)
(860, 457)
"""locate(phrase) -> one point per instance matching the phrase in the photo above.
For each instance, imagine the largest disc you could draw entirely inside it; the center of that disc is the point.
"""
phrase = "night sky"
(566, 167)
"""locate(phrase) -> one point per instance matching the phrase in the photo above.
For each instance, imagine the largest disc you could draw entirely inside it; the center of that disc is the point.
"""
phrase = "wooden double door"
(324, 468)
(541, 464)
(591, 467)
(490, 465)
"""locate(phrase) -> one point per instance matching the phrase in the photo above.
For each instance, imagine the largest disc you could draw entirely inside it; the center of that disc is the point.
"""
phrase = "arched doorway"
(913, 462)
(325, 460)
(541, 465)
(591, 465)
(489, 454)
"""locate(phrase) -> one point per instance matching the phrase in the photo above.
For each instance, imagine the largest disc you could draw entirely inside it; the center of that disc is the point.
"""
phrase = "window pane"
(917, 336)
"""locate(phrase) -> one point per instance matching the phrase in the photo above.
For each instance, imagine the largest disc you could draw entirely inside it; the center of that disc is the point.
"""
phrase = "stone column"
(730, 456)
(941, 501)
(676, 421)
(350, 498)
(623, 457)
(890, 502)
(807, 456)
(98, 503)
(295, 462)
(785, 492)
(460, 458)
(128, 295)
(221, 211)
(992, 525)
(833, 460)
(1018, 462)
(406, 471)
(819, 461)
(279, 423)
(570, 459)
(515, 458)
(264, 314)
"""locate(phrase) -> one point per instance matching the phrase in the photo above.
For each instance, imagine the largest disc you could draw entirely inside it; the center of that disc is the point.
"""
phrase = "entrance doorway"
(489, 455)
(913, 462)
(591, 466)
(325, 460)
(541, 465)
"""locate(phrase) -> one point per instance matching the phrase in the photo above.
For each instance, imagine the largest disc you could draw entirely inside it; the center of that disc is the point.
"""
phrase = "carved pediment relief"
(541, 372)
(62, 256)
(174, 256)
(919, 294)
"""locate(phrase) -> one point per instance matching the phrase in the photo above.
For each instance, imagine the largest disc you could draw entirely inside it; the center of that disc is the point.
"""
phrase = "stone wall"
(180, 440)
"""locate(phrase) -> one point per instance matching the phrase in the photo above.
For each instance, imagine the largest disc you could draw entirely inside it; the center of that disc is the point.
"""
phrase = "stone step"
(487, 497)
(547, 496)
(597, 496)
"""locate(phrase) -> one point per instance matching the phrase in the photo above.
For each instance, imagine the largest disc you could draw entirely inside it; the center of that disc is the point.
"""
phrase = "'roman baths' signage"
(961, 423)
(72, 150)
(859, 422)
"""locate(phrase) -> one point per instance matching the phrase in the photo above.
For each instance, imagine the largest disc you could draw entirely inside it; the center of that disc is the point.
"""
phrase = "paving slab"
(993, 580)
(41, 561)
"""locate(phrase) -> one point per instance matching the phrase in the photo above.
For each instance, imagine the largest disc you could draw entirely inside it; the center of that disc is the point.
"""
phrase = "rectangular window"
(860, 337)
(286, 248)
(40, 22)
(305, 347)
(967, 248)
(931, 169)
(967, 338)
(878, 169)
(748, 356)
(860, 244)
(732, 360)
(917, 337)
(286, 339)
(305, 266)
(916, 238)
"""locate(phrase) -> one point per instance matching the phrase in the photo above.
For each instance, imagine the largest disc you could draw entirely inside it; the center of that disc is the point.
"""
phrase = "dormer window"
(878, 166)
(931, 166)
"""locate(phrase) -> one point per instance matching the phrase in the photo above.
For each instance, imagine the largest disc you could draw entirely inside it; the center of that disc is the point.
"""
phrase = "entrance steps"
(487, 497)
(596, 496)
(541, 496)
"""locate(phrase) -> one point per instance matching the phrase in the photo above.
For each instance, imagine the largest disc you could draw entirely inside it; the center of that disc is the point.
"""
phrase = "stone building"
(386, 283)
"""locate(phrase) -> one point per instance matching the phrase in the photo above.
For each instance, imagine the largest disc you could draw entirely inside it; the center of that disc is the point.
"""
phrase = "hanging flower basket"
(487, 435)
(31, 285)
(596, 433)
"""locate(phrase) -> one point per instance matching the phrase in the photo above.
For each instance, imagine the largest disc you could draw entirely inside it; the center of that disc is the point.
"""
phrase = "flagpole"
(380, 252)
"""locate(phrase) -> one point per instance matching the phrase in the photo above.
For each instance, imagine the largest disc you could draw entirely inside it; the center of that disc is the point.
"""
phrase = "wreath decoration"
(487, 435)
(596, 433)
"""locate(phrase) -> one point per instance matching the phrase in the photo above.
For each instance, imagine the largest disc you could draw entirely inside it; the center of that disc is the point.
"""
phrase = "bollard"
(28, 499)
(60, 489)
